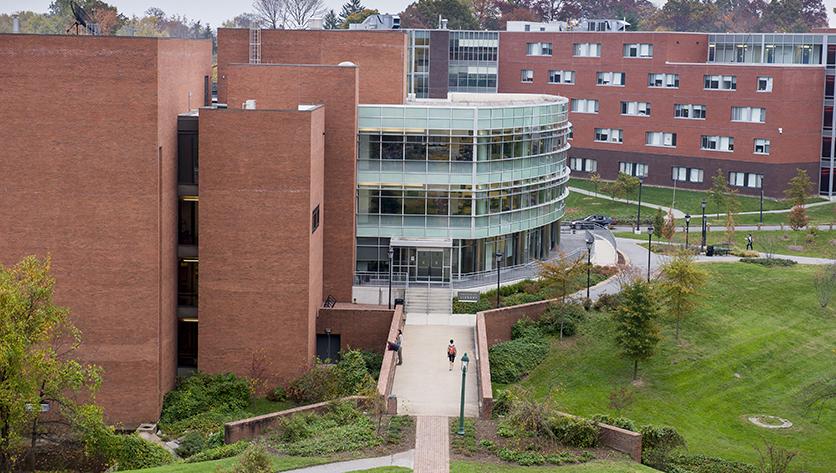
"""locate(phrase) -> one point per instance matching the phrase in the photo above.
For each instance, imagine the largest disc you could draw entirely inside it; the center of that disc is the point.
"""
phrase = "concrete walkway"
(424, 383)
(405, 459)
(676, 213)
(432, 445)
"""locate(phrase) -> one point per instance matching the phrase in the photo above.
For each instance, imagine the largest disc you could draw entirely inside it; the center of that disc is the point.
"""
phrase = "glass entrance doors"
(425, 265)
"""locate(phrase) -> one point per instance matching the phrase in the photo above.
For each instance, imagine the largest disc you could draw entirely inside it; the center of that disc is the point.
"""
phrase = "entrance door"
(430, 266)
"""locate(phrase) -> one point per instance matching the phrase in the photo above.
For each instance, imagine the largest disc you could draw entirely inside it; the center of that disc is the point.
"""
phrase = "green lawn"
(260, 406)
(384, 469)
(623, 466)
(689, 201)
(819, 215)
(757, 345)
(579, 206)
(820, 246)
(279, 464)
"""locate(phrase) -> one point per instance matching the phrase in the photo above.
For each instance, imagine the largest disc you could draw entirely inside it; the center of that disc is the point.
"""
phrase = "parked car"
(591, 222)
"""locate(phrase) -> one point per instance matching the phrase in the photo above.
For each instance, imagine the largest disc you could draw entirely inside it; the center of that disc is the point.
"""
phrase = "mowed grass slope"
(762, 324)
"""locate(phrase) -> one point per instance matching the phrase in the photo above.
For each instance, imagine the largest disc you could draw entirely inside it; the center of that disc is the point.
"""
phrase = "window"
(609, 135)
(764, 84)
(638, 50)
(681, 174)
(635, 109)
(561, 77)
(720, 82)
(583, 164)
(527, 75)
(585, 105)
(315, 219)
(539, 49)
(633, 169)
(611, 78)
(748, 114)
(761, 146)
(660, 138)
(689, 110)
(745, 179)
(670, 81)
(586, 49)
(717, 143)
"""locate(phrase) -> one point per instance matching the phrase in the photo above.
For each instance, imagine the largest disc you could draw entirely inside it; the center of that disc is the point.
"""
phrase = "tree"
(331, 22)
(36, 364)
(595, 179)
(349, 8)
(669, 227)
(825, 282)
(718, 191)
(798, 217)
(244, 20)
(358, 17)
(658, 223)
(794, 16)
(682, 279)
(425, 13)
(732, 207)
(557, 274)
(799, 188)
(637, 332)
(270, 13)
(687, 15)
(486, 14)
(299, 12)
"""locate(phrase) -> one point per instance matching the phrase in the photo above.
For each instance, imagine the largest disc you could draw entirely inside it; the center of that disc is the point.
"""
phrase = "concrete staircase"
(429, 300)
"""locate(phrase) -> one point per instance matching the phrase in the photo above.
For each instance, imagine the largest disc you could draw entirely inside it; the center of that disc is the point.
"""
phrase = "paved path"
(404, 459)
(424, 384)
(432, 445)
(695, 228)
(676, 213)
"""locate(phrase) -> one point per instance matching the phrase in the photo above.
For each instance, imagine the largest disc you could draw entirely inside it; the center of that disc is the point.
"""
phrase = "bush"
(134, 452)
(501, 403)
(484, 303)
(569, 314)
(737, 251)
(254, 460)
(277, 394)
(607, 302)
(769, 262)
(342, 428)
(216, 453)
(525, 328)
(373, 361)
(704, 464)
(352, 373)
(658, 443)
(620, 422)
(318, 384)
(201, 392)
(205, 422)
(514, 359)
(394, 431)
(520, 298)
(568, 457)
(190, 444)
(575, 432)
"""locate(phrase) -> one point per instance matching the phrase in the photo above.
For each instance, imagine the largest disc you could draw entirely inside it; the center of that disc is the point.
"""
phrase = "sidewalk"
(432, 445)
(405, 459)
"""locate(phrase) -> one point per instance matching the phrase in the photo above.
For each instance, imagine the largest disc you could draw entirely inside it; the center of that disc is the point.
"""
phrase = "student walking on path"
(451, 353)
(749, 242)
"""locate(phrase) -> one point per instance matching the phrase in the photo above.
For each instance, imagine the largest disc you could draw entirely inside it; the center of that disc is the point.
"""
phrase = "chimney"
(444, 23)
(15, 23)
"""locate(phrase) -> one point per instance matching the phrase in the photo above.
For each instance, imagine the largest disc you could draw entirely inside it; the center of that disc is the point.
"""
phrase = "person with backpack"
(399, 341)
(749, 242)
(451, 354)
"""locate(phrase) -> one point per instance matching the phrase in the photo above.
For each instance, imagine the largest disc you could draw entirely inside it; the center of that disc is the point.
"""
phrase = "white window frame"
(610, 135)
(636, 109)
(687, 111)
(566, 77)
(750, 180)
(724, 82)
(748, 114)
(764, 144)
(539, 49)
(723, 144)
(586, 50)
(611, 79)
(767, 84)
(660, 139)
(638, 50)
(527, 76)
(633, 169)
(662, 80)
(584, 106)
(583, 164)
(685, 174)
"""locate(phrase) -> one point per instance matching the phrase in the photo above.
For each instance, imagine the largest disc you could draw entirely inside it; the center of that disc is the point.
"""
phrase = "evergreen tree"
(349, 8)
(331, 22)
(637, 332)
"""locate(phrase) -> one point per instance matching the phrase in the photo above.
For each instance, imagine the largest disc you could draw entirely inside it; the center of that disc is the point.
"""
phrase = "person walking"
(749, 242)
(451, 354)
(399, 341)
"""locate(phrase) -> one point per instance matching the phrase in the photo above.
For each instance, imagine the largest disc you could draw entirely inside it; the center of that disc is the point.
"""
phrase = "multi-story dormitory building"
(326, 149)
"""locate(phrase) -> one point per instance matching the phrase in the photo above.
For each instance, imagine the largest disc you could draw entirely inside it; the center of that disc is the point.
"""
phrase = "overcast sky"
(217, 11)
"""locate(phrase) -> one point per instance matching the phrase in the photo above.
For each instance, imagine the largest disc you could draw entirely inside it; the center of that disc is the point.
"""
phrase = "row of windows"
(689, 111)
(680, 174)
(668, 140)
(631, 50)
(654, 80)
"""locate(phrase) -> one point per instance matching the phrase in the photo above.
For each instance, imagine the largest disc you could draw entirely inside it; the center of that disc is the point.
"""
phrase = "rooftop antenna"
(82, 20)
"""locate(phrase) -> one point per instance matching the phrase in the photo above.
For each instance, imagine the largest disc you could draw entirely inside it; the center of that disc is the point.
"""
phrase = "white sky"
(218, 11)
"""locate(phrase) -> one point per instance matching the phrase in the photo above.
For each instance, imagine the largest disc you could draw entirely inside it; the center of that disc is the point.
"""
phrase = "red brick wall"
(258, 259)
(498, 322)
(84, 182)
(380, 55)
(275, 86)
(362, 327)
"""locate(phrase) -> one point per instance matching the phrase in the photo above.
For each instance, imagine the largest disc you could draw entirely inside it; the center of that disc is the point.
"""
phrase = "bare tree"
(299, 12)
(825, 282)
(775, 459)
(271, 13)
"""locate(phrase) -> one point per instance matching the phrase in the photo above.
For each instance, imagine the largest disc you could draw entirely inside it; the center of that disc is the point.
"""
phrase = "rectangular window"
(635, 109)
(539, 49)
(643, 50)
(670, 81)
(609, 135)
(745, 179)
(690, 111)
(761, 146)
(585, 105)
(586, 49)
(315, 219)
(682, 174)
(764, 84)
(633, 169)
(748, 114)
(720, 82)
(717, 143)
(611, 78)
(561, 77)
(527, 75)
(583, 164)
(660, 138)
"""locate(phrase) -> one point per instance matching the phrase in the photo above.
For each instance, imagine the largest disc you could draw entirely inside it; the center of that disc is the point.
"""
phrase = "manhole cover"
(769, 422)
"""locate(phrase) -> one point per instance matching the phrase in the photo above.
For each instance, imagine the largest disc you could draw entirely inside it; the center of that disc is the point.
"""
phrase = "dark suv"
(591, 222)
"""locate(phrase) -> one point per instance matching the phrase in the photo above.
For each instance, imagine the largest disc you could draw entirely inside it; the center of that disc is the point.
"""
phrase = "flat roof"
(487, 100)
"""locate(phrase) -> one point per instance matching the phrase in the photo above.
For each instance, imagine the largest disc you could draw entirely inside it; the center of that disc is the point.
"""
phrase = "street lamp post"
(649, 245)
(702, 244)
(639, 208)
(391, 255)
(590, 242)
(761, 203)
(498, 260)
(465, 361)
(687, 228)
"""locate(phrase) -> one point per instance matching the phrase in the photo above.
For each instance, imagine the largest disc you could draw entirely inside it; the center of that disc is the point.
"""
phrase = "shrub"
(254, 460)
(394, 431)
(569, 314)
(524, 328)
(373, 361)
(737, 251)
(568, 457)
(134, 452)
(352, 373)
(318, 384)
(484, 303)
(704, 464)
(575, 432)
(342, 428)
(216, 453)
(204, 392)
(658, 443)
(620, 422)
(204, 422)
(520, 298)
(190, 444)
(277, 394)
(769, 262)
(215, 439)
(513, 359)
(607, 302)
(501, 403)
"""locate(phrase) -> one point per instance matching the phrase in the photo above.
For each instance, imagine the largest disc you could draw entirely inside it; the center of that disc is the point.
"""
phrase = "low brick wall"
(364, 327)
(498, 322)
(483, 367)
(390, 359)
(252, 427)
(621, 440)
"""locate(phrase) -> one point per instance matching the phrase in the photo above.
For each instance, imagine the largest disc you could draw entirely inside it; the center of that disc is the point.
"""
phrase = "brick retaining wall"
(390, 359)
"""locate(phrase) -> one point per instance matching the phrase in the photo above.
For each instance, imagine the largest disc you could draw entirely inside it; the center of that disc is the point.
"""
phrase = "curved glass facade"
(470, 168)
